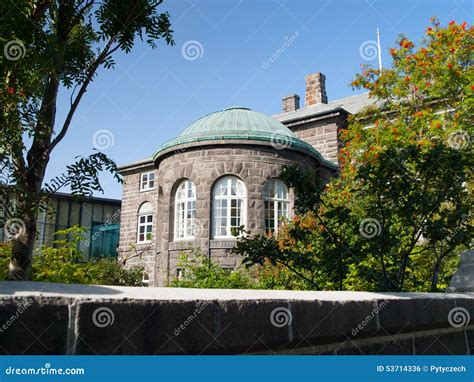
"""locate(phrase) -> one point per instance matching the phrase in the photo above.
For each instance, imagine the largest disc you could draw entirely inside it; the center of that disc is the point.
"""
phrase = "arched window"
(276, 204)
(229, 206)
(185, 211)
(145, 223)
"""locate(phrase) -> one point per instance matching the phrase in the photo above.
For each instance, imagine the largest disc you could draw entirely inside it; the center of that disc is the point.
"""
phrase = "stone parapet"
(41, 318)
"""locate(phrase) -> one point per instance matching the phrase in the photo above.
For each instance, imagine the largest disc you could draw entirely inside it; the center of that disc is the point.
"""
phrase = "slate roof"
(352, 105)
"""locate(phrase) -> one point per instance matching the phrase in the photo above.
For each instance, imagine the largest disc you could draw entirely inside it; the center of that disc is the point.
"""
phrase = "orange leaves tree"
(399, 210)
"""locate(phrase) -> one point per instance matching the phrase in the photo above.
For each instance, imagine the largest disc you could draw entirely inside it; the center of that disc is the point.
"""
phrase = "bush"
(65, 264)
(5, 254)
(201, 272)
(110, 272)
(279, 277)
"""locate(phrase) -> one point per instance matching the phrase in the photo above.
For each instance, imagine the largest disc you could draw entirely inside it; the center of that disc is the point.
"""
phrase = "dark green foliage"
(201, 272)
(64, 264)
(51, 47)
(400, 210)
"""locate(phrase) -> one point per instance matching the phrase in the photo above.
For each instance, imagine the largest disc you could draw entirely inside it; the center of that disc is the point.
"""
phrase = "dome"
(238, 123)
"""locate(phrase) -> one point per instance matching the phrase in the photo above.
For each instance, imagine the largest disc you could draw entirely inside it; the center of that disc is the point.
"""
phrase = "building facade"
(221, 173)
(99, 216)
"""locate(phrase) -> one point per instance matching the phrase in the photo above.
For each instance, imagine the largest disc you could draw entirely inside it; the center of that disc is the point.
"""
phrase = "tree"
(51, 45)
(401, 205)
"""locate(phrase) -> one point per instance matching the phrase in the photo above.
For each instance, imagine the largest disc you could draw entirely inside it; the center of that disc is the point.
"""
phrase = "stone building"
(222, 172)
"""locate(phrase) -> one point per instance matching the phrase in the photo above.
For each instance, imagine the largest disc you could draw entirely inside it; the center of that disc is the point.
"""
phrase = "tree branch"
(106, 52)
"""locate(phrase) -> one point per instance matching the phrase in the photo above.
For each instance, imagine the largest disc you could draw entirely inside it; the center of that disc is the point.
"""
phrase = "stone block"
(454, 343)
(33, 326)
(463, 279)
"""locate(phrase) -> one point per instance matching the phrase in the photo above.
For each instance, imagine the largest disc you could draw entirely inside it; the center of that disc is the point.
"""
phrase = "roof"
(91, 199)
(352, 105)
(140, 163)
(238, 123)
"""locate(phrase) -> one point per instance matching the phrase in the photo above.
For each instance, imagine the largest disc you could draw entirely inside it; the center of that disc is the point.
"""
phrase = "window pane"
(227, 205)
(276, 204)
(268, 189)
(147, 181)
(185, 210)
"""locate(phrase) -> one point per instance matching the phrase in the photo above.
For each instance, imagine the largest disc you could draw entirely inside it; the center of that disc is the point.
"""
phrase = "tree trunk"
(434, 278)
(22, 248)
(31, 182)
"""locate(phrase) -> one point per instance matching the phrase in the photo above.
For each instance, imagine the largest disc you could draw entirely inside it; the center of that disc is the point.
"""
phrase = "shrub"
(201, 272)
(5, 254)
(65, 264)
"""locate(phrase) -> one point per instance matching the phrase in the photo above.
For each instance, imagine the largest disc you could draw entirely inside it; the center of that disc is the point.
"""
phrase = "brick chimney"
(291, 103)
(315, 89)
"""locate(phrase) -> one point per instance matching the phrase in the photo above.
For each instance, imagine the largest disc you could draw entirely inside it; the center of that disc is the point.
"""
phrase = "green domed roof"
(238, 123)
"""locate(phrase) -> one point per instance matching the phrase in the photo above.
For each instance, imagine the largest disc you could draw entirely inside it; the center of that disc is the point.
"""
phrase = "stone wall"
(132, 199)
(321, 133)
(46, 318)
(204, 165)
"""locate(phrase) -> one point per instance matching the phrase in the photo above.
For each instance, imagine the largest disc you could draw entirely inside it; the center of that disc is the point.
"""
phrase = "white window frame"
(145, 213)
(188, 221)
(145, 181)
(228, 198)
(275, 201)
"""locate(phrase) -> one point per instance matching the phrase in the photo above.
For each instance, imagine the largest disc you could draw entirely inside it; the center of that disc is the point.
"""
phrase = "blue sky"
(152, 95)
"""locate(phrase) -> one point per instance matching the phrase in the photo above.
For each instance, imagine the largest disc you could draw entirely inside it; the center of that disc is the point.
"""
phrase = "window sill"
(223, 242)
(181, 244)
(144, 242)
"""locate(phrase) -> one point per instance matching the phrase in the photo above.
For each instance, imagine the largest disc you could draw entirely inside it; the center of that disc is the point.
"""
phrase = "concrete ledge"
(42, 318)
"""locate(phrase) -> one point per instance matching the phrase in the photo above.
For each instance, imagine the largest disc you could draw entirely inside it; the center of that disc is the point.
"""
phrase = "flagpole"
(379, 49)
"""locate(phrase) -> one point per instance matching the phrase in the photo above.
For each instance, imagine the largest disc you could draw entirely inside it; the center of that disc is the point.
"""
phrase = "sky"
(233, 52)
